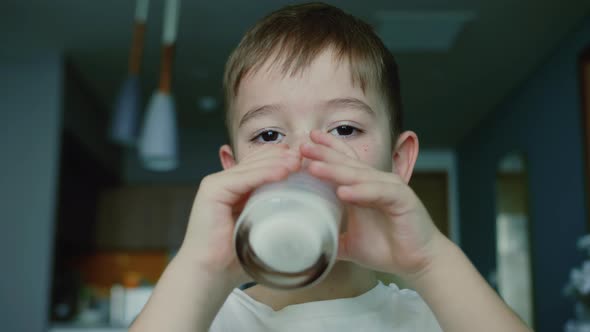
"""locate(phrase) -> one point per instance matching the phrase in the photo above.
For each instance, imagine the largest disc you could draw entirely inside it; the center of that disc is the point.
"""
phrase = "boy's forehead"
(326, 77)
(277, 67)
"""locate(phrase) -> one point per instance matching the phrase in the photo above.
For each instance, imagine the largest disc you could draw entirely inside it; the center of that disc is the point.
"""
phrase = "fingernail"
(345, 190)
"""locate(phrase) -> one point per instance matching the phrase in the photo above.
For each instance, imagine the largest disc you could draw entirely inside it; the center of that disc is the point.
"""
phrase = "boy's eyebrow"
(351, 103)
(257, 112)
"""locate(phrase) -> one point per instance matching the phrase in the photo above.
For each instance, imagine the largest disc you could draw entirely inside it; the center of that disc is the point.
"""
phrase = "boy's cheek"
(243, 151)
(374, 154)
(369, 151)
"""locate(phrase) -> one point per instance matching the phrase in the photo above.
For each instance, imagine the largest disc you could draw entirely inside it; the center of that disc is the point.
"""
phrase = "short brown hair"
(295, 35)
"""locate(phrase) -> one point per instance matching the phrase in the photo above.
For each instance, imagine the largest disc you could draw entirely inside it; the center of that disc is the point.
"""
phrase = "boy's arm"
(459, 297)
(391, 231)
(206, 269)
(186, 298)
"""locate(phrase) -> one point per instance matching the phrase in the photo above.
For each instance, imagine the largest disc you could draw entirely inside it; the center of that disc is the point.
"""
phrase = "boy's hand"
(387, 227)
(220, 199)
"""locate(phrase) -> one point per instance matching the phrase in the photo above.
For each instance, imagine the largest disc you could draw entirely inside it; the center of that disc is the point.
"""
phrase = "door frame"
(584, 77)
(444, 160)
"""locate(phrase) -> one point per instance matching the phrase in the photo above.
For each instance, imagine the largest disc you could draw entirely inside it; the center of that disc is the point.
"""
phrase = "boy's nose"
(299, 138)
(296, 143)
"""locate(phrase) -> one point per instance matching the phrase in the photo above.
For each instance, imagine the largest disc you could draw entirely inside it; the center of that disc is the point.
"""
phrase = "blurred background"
(93, 207)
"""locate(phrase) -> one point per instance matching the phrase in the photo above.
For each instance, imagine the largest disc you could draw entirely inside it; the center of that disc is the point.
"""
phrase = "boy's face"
(272, 108)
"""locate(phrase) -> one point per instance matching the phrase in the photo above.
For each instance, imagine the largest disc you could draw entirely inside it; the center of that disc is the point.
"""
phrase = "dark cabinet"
(143, 217)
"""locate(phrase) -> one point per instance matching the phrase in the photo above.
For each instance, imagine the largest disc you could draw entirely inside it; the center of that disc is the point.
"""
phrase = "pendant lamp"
(158, 141)
(125, 119)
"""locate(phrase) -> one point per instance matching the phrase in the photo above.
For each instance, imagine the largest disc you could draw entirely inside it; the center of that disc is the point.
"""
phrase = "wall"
(30, 97)
(542, 120)
(198, 148)
(87, 118)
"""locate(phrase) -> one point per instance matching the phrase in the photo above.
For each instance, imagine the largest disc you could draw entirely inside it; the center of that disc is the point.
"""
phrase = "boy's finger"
(332, 142)
(269, 155)
(323, 153)
(340, 174)
(278, 158)
(371, 194)
(230, 187)
(268, 150)
(292, 162)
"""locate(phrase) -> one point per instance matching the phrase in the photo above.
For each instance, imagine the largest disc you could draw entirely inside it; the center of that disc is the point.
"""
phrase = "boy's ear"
(226, 155)
(405, 155)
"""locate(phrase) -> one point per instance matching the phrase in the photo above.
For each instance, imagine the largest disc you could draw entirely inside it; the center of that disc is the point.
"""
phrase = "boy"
(311, 87)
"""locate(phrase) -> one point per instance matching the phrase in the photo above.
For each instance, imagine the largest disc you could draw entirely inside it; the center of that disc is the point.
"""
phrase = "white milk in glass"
(287, 235)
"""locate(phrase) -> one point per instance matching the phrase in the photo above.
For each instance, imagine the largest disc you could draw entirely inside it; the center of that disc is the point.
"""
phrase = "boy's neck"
(344, 281)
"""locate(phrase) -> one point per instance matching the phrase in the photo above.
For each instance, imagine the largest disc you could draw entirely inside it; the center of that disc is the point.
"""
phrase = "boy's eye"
(344, 130)
(268, 136)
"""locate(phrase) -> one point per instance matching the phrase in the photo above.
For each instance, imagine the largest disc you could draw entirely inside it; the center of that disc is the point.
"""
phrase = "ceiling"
(446, 93)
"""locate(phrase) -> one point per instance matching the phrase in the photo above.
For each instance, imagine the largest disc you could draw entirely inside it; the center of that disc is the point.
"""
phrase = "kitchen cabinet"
(143, 217)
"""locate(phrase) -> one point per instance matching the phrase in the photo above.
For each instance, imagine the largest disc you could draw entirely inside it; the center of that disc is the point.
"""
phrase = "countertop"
(85, 328)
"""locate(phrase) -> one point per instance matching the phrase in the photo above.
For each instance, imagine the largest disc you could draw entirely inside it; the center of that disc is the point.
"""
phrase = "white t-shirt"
(383, 308)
